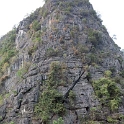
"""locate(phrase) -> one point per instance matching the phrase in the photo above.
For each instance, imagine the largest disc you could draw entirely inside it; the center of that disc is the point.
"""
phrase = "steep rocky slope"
(61, 62)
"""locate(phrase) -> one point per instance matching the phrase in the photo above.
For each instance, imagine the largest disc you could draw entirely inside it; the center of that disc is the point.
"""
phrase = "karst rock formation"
(60, 66)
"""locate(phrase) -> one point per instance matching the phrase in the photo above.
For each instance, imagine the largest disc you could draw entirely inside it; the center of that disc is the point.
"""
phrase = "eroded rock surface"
(62, 36)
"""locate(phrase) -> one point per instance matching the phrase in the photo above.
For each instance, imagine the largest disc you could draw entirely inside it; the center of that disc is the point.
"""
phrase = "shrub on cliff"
(59, 121)
(108, 92)
(51, 101)
(36, 25)
(94, 37)
(7, 50)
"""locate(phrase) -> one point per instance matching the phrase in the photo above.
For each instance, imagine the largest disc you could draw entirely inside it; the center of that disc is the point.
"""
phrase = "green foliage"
(66, 6)
(36, 25)
(114, 103)
(84, 20)
(121, 116)
(104, 28)
(85, 13)
(112, 69)
(51, 101)
(11, 122)
(94, 37)
(122, 73)
(32, 49)
(44, 12)
(52, 52)
(37, 36)
(72, 33)
(107, 73)
(56, 74)
(93, 58)
(117, 79)
(83, 48)
(115, 118)
(72, 95)
(68, 9)
(45, 0)
(20, 73)
(107, 92)
(122, 83)
(87, 121)
(111, 120)
(44, 29)
(1, 99)
(93, 12)
(7, 50)
(59, 121)
(120, 59)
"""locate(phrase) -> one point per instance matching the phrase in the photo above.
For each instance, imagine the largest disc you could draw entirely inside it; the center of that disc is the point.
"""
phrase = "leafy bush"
(1, 99)
(94, 37)
(12, 122)
(52, 52)
(107, 92)
(111, 120)
(107, 73)
(51, 101)
(93, 58)
(56, 74)
(36, 25)
(20, 73)
(83, 49)
(72, 95)
(44, 13)
(85, 13)
(121, 82)
(32, 49)
(7, 50)
(68, 9)
(59, 121)
(122, 73)
(37, 36)
(5, 66)
(84, 20)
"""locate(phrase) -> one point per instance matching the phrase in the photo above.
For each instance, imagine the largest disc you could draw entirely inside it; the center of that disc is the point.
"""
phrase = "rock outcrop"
(61, 49)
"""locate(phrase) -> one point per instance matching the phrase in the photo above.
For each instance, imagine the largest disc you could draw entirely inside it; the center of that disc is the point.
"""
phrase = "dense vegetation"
(51, 100)
(107, 92)
(94, 37)
(7, 50)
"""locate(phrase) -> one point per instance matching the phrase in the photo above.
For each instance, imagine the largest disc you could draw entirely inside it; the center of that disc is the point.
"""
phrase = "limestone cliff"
(61, 62)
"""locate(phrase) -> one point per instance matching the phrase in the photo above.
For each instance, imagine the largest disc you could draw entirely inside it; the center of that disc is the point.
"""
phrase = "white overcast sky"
(13, 11)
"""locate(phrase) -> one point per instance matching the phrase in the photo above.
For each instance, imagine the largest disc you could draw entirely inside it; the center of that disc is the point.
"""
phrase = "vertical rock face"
(67, 33)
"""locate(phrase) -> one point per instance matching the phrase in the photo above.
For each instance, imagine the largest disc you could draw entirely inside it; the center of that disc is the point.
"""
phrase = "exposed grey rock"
(24, 121)
(66, 35)
(17, 101)
(2, 112)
